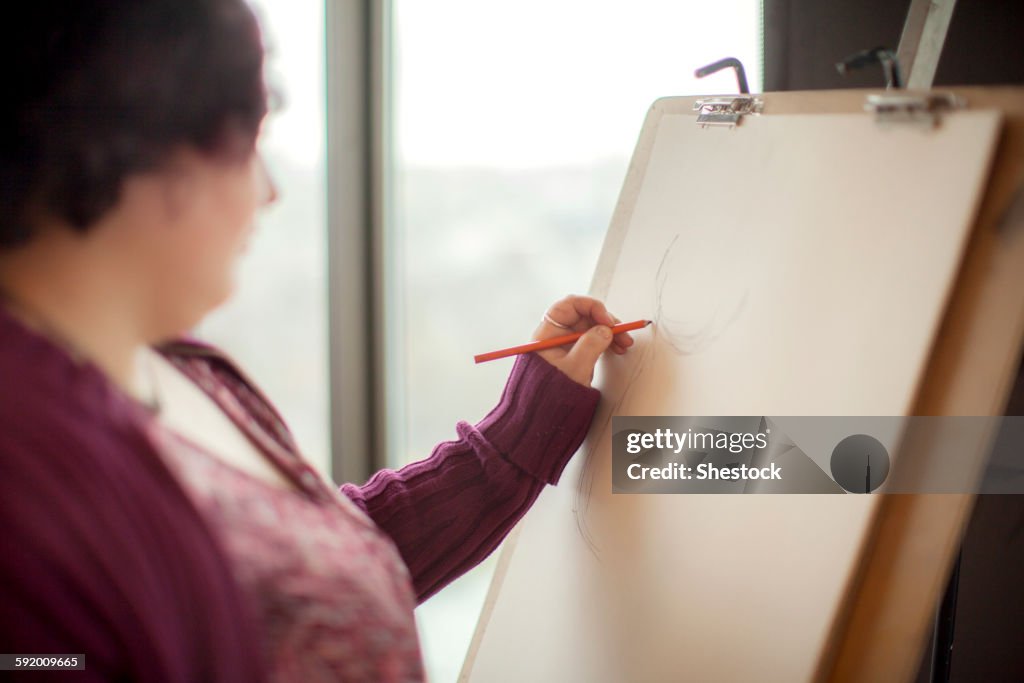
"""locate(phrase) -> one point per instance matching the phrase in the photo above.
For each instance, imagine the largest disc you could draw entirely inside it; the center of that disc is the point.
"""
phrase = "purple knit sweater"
(103, 553)
(448, 512)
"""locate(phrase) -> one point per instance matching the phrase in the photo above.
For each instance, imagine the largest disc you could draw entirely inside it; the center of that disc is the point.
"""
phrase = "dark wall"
(988, 644)
(985, 44)
(805, 38)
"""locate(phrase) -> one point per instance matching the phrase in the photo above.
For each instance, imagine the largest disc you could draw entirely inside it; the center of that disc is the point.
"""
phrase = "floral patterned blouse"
(330, 585)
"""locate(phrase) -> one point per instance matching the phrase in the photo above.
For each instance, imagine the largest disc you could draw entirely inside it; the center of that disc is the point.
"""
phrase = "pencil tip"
(648, 323)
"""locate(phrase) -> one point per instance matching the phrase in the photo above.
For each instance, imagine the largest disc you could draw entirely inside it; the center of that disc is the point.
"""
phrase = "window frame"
(357, 67)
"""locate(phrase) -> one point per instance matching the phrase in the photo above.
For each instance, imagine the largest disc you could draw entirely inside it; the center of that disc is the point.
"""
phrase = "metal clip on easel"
(726, 111)
(903, 107)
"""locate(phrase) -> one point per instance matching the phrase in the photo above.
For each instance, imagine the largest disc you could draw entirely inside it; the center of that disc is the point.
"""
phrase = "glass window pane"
(276, 323)
(513, 126)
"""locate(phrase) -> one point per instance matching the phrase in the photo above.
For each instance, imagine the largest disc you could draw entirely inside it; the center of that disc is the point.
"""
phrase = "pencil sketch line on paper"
(682, 343)
(585, 485)
(673, 331)
(586, 481)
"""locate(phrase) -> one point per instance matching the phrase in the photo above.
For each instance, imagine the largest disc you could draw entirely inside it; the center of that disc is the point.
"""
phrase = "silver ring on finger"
(556, 324)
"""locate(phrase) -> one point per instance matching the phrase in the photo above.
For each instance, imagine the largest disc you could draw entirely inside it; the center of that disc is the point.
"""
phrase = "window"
(513, 126)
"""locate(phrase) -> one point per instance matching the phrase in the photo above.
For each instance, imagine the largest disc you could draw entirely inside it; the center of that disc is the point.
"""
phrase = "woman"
(157, 517)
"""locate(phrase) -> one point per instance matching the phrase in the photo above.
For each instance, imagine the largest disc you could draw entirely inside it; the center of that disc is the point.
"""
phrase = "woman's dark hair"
(103, 89)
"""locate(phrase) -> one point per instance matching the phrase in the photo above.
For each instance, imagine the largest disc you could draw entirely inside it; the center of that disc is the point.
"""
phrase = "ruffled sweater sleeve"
(450, 511)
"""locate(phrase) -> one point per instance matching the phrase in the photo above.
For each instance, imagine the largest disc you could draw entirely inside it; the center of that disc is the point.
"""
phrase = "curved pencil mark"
(660, 278)
(585, 486)
(686, 342)
(682, 341)
(691, 343)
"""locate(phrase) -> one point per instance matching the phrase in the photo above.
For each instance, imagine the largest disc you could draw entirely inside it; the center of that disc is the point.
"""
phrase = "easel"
(924, 34)
(886, 615)
(884, 618)
(921, 43)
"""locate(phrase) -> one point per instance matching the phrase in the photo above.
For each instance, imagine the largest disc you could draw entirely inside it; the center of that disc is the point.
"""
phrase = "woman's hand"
(580, 314)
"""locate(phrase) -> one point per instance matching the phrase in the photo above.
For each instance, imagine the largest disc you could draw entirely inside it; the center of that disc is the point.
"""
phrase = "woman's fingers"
(622, 341)
(580, 314)
(573, 314)
(580, 361)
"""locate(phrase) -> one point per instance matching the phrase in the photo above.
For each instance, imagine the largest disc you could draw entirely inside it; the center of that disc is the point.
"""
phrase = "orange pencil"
(555, 341)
